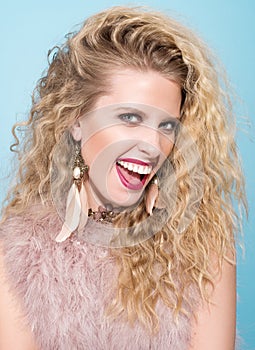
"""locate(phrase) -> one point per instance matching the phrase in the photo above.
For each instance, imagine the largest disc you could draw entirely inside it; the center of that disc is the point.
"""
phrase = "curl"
(168, 264)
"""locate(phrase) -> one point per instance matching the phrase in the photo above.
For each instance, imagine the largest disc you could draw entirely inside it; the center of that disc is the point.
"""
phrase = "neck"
(96, 204)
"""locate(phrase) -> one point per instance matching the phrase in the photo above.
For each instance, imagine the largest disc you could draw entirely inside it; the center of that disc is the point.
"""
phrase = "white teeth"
(141, 170)
(136, 168)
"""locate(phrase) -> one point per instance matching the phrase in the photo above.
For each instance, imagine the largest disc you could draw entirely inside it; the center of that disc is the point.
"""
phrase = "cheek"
(106, 145)
(166, 145)
(93, 146)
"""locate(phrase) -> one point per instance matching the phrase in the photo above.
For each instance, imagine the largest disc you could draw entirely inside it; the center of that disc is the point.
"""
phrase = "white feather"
(84, 208)
(73, 212)
(151, 198)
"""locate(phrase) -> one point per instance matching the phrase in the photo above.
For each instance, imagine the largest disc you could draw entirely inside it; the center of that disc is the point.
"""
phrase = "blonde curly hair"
(167, 264)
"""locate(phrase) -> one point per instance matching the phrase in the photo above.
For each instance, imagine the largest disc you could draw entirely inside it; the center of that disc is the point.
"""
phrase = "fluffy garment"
(65, 288)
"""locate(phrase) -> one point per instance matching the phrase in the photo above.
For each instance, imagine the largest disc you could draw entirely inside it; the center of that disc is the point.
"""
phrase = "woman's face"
(128, 136)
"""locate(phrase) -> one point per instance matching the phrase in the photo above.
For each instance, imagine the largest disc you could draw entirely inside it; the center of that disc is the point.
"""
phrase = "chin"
(126, 201)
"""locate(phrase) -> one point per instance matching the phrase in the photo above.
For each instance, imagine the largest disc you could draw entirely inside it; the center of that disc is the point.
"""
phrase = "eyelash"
(126, 117)
(164, 126)
(166, 129)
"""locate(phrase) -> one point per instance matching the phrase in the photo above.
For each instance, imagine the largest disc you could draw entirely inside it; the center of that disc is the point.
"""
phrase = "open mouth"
(133, 174)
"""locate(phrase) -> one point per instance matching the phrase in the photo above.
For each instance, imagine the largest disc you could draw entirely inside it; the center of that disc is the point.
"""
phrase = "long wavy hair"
(168, 264)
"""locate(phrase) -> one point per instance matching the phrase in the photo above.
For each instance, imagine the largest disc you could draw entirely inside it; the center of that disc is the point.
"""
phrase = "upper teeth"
(136, 168)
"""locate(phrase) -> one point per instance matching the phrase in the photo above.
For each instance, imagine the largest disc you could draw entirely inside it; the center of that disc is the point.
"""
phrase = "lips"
(133, 173)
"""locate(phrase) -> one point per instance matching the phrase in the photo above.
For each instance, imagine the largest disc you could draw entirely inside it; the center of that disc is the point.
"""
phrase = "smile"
(133, 173)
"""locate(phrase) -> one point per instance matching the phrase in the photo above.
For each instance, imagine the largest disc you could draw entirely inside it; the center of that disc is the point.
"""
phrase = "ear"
(76, 130)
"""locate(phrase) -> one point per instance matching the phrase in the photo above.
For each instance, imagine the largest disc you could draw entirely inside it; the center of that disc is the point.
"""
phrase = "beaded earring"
(77, 203)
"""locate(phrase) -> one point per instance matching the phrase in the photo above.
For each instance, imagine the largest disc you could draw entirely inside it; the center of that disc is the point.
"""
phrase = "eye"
(169, 126)
(130, 118)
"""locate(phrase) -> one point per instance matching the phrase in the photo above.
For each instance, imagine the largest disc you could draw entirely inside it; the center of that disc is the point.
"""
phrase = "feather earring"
(77, 203)
(152, 195)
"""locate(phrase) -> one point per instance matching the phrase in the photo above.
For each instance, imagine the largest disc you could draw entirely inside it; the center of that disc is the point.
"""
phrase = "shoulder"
(24, 239)
(215, 324)
(37, 221)
(14, 334)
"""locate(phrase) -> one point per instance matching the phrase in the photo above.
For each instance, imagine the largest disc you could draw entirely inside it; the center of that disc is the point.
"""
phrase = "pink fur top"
(65, 287)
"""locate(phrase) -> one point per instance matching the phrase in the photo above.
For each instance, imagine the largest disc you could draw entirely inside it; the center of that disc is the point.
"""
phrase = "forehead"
(144, 88)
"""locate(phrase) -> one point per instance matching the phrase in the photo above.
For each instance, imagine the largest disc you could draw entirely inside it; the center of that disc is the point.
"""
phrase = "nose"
(149, 143)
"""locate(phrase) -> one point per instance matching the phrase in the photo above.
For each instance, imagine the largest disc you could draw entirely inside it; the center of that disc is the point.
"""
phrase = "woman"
(120, 231)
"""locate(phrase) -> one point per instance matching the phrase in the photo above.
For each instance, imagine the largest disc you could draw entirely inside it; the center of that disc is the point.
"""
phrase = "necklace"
(102, 214)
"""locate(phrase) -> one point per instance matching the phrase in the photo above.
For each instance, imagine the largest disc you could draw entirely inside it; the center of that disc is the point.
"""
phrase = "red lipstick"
(134, 161)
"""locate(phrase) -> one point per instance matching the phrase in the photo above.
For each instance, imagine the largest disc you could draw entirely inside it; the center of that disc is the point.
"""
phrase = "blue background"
(29, 28)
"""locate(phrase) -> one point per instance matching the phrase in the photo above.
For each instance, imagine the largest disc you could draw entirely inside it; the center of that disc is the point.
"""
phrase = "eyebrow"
(131, 109)
(142, 113)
